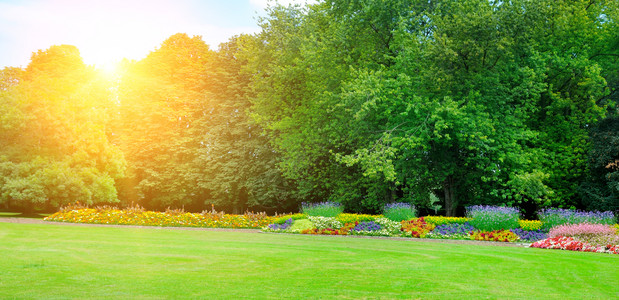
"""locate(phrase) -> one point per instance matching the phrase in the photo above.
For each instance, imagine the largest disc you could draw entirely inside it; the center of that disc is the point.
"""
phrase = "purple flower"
(367, 226)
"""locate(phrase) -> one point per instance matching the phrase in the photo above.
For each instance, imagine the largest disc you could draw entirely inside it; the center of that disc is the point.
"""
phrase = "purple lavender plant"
(529, 236)
(552, 217)
(489, 218)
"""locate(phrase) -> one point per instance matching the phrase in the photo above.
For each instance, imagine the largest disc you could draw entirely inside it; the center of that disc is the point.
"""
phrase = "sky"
(106, 31)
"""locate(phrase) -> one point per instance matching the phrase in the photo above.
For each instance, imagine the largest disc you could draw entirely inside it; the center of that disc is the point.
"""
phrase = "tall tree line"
(362, 102)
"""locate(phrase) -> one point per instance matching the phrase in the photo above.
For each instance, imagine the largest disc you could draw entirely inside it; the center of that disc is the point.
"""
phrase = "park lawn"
(53, 261)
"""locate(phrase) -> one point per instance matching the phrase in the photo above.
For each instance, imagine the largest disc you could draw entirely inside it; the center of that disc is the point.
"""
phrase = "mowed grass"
(49, 261)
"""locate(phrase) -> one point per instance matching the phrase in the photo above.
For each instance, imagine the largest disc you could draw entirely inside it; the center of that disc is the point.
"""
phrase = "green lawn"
(55, 262)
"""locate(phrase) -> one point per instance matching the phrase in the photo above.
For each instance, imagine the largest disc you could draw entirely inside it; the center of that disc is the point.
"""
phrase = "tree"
(601, 189)
(55, 147)
(161, 101)
(486, 101)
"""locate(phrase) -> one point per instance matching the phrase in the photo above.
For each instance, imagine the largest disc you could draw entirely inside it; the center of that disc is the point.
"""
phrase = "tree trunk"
(451, 203)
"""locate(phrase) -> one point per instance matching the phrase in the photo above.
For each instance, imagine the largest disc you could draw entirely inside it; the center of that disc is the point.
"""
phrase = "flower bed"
(569, 243)
(152, 218)
(578, 237)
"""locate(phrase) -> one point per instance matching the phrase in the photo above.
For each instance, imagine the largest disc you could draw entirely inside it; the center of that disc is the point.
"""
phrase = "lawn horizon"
(56, 262)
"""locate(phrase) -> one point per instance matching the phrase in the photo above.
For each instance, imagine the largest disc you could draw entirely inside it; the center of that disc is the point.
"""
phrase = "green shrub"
(322, 209)
(325, 223)
(400, 211)
(301, 224)
(490, 218)
(282, 219)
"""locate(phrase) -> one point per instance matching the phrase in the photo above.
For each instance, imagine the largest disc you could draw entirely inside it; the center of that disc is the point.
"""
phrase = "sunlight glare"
(109, 70)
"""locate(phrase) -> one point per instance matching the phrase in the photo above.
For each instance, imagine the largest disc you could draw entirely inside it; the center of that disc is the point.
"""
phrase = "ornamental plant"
(529, 235)
(325, 223)
(389, 227)
(344, 230)
(280, 227)
(490, 218)
(139, 216)
(530, 225)
(417, 228)
(451, 231)
(399, 211)
(593, 234)
(282, 219)
(352, 218)
(322, 209)
(367, 226)
(552, 217)
(569, 243)
(495, 236)
(581, 229)
(440, 220)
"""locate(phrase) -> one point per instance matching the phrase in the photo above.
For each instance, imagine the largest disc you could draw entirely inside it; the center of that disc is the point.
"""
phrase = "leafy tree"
(601, 190)
(486, 101)
(235, 163)
(161, 101)
(55, 147)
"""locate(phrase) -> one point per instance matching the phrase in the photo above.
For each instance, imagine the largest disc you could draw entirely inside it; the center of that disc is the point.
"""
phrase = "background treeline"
(363, 102)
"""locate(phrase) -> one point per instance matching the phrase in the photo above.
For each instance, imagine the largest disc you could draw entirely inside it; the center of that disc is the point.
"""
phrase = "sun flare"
(108, 69)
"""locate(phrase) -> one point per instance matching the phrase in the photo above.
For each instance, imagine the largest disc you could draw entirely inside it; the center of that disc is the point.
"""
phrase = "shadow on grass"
(32, 215)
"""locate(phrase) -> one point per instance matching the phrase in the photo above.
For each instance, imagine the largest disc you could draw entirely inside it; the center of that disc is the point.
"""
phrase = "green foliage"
(322, 209)
(601, 189)
(284, 218)
(399, 212)
(372, 103)
(491, 218)
(301, 224)
(55, 127)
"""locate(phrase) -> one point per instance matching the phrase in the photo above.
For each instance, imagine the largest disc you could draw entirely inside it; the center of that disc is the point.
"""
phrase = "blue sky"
(107, 31)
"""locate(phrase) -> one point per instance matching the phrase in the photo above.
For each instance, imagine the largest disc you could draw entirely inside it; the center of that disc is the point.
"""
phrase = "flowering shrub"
(378, 227)
(489, 218)
(344, 230)
(530, 225)
(322, 209)
(352, 218)
(553, 217)
(495, 235)
(137, 216)
(325, 223)
(593, 234)
(280, 227)
(417, 228)
(451, 231)
(399, 211)
(367, 226)
(389, 227)
(617, 228)
(529, 235)
(440, 220)
(580, 229)
(569, 243)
